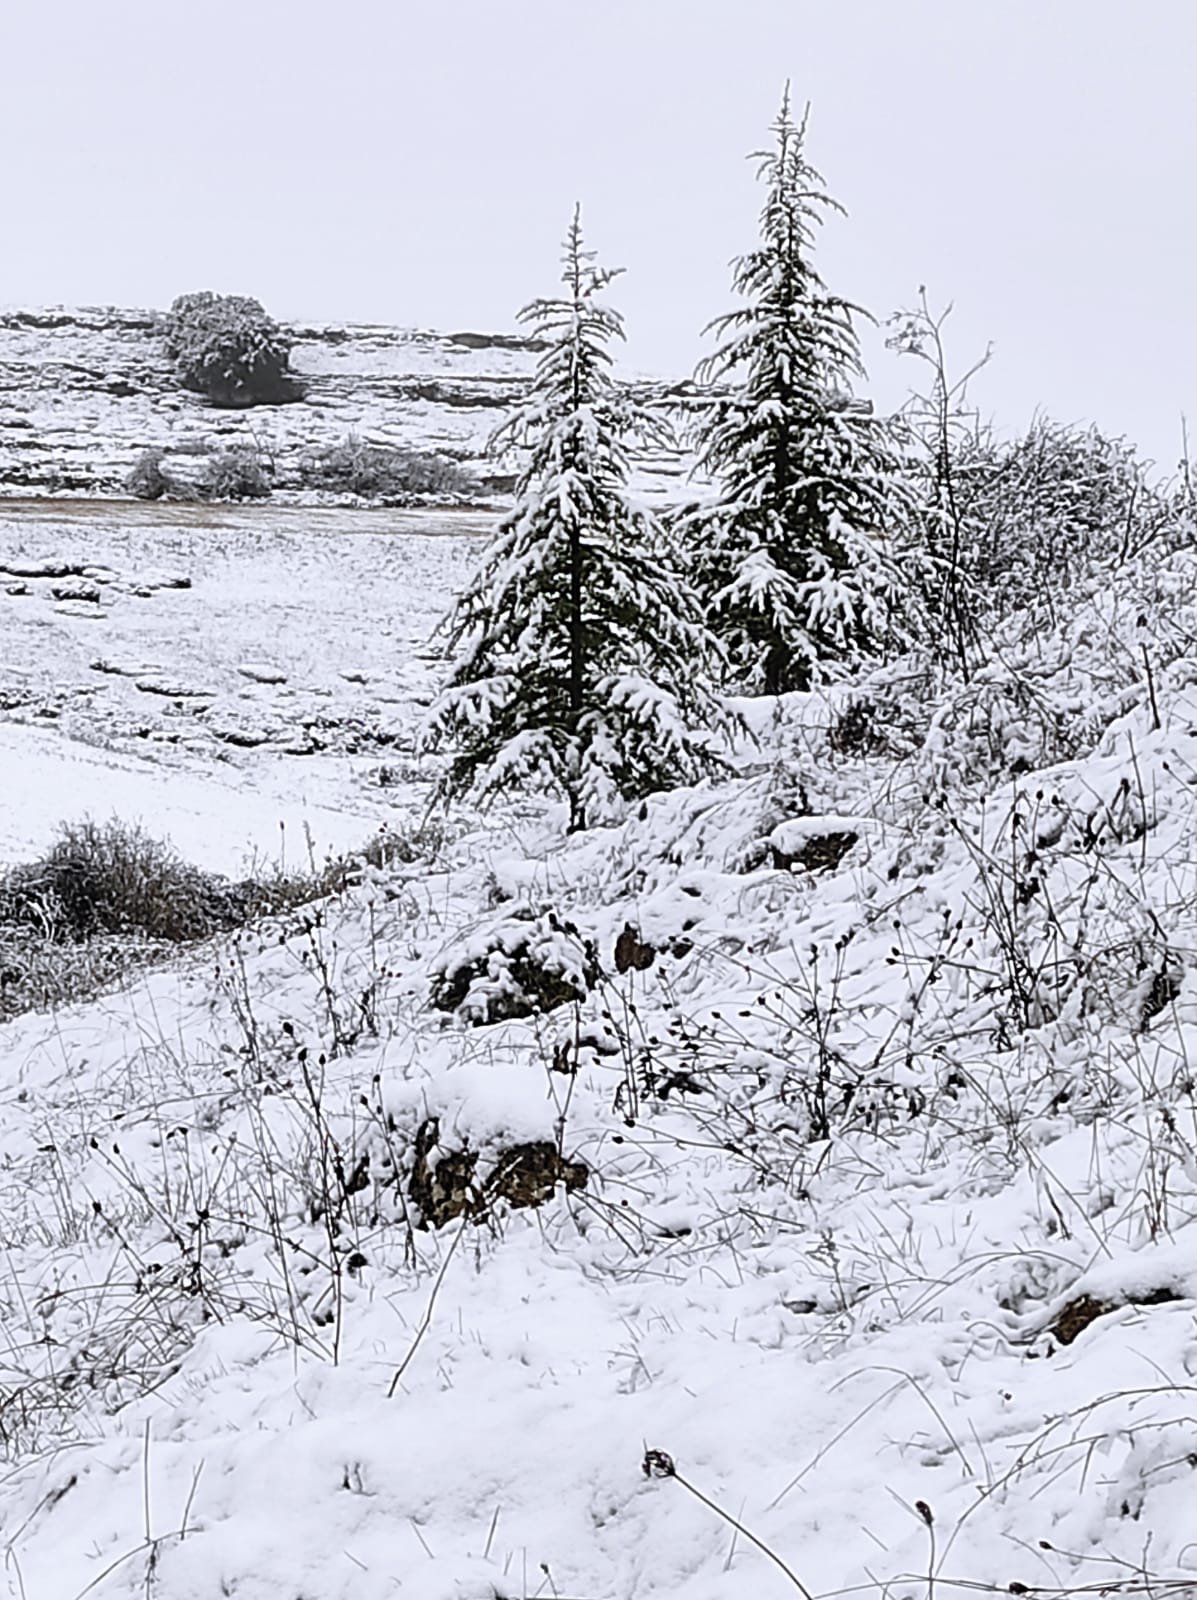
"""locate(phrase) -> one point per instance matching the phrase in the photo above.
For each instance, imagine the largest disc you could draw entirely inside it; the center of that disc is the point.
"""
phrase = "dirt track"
(427, 521)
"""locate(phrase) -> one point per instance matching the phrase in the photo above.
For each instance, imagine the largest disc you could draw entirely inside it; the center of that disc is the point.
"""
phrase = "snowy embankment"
(85, 391)
(867, 1154)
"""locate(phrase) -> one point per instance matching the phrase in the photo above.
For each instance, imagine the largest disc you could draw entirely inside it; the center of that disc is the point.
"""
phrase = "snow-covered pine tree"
(581, 657)
(792, 559)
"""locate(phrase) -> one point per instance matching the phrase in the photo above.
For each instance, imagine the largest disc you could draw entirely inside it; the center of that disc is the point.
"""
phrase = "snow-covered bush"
(1046, 509)
(194, 471)
(146, 479)
(382, 472)
(113, 878)
(1015, 523)
(227, 348)
(520, 966)
(238, 472)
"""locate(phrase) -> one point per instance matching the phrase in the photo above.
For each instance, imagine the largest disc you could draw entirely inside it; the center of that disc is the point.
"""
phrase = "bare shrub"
(146, 478)
(383, 472)
(38, 972)
(112, 878)
(1043, 511)
(107, 899)
(239, 472)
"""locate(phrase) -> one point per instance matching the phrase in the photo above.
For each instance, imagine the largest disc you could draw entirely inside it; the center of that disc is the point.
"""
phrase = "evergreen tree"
(579, 651)
(791, 557)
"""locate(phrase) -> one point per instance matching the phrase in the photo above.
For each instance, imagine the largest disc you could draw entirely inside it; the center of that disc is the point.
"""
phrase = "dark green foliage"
(793, 558)
(579, 651)
(226, 348)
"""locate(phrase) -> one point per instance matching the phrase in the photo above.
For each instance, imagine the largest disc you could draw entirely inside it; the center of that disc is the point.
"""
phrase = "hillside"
(83, 392)
(791, 1190)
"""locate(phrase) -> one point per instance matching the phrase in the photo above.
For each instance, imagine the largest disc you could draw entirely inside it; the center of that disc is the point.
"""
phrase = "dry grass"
(107, 899)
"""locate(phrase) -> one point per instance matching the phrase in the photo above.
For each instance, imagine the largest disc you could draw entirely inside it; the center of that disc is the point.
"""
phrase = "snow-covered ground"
(233, 677)
(84, 391)
(886, 1246)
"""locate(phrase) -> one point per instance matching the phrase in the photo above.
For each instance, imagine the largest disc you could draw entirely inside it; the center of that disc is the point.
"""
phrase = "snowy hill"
(791, 1190)
(83, 392)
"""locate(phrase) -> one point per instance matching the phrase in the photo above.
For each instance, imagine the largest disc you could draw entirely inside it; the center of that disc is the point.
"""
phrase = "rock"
(124, 669)
(16, 589)
(813, 844)
(528, 1174)
(79, 608)
(1076, 1316)
(261, 672)
(444, 1183)
(76, 589)
(631, 953)
(244, 735)
(173, 689)
(41, 567)
(163, 580)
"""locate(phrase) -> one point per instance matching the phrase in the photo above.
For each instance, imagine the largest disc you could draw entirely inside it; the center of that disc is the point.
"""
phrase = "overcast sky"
(1035, 161)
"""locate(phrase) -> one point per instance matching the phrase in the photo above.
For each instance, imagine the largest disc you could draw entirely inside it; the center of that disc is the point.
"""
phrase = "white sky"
(1033, 160)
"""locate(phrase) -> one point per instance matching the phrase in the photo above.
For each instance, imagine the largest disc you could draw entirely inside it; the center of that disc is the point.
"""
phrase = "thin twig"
(428, 1310)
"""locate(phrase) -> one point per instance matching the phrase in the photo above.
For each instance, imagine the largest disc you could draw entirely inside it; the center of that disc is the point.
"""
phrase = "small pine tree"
(579, 652)
(791, 558)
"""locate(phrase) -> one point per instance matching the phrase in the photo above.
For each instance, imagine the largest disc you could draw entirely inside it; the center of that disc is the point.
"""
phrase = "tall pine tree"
(792, 558)
(580, 654)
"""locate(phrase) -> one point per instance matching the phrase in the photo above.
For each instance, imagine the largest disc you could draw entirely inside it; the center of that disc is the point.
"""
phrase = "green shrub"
(227, 348)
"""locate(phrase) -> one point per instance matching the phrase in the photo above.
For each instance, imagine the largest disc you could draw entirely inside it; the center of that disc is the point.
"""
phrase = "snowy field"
(872, 1154)
(275, 692)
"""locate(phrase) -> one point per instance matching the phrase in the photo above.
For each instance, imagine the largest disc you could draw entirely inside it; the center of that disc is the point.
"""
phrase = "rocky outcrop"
(85, 392)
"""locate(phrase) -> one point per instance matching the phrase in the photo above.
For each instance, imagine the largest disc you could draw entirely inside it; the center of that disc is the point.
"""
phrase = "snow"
(84, 392)
(151, 708)
(210, 818)
(204, 1390)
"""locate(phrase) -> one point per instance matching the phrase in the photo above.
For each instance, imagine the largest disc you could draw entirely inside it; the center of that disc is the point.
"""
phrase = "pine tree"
(791, 557)
(579, 651)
